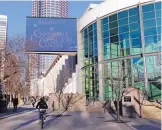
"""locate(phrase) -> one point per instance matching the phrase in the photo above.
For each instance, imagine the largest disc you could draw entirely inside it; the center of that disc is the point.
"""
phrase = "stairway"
(66, 77)
(151, 110)
(145, 108)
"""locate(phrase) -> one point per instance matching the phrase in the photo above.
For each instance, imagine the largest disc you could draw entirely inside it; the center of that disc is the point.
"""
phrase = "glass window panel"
(95, 38)
(134, 26)
(123, 21)
(123, 14)
(114, 31)
(106, 41)
(114, 39)
(127, 52)
(135, 34)
(90, 28)
(94, 26)
(158, 14)
(95, 32)
(85, 31)
(105, 21)
(105, 27)
(136, 60)
(113, 18)
(123, 36)
(124, 44)
(95, 51)
(159, 29)
(158, 21)
(159, 38)
(147, 8)
(149, 23)
(113, 24)
(136, 42)
(95, 44)
(134, 11)
(123, 29)
(91, 34)
(134, 19)
(85, 36)
(105, 34)
(149, 15)
(158, 5)
(151, 39)
(150, 31)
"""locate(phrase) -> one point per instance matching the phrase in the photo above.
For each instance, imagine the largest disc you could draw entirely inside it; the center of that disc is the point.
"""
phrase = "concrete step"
(96, 107)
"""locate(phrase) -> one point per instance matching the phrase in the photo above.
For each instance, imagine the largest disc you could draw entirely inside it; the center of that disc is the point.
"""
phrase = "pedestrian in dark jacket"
(15, 104)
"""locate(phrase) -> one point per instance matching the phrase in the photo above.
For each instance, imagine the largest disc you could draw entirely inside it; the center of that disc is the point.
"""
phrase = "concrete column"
(80, 61)
(100, 58)
(143, 48)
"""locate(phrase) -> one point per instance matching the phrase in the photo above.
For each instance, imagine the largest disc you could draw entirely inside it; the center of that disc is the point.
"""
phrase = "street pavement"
(75, 121)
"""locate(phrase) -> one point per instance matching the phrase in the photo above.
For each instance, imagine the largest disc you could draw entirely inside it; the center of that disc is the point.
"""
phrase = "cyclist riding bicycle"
(42, 106)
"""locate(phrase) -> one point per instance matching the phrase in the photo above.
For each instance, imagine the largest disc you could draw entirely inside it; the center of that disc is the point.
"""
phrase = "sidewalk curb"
(1, 118)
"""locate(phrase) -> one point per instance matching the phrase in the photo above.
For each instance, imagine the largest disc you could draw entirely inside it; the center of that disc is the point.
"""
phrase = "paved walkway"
(20, 109)
(75, 121)
(100, 121)
(140, 123)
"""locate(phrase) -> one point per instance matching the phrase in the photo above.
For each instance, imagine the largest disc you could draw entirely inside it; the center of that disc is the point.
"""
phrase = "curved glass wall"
(90, 56)
(121, 37)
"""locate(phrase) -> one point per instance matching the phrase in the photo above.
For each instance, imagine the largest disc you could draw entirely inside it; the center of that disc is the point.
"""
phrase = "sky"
(17, 11)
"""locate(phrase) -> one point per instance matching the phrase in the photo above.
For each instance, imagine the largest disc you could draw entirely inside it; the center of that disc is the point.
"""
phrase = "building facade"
(3, 39)
(120, 39)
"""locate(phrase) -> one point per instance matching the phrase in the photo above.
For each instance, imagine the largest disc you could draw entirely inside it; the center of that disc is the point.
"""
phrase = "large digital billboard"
(51, 34)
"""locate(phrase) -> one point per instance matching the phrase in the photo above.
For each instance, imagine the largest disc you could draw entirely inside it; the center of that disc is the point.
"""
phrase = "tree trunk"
(118, 115)
(140, 110)
(59, 106)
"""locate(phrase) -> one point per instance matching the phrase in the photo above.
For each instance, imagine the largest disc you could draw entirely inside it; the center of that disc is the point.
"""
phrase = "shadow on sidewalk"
(145, 127)
(53, 119)
(10, 112)
(25, 124)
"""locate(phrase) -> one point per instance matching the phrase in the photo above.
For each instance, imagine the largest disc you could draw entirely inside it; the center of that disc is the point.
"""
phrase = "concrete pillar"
(100, 58)
(143, 48)
(80, 61)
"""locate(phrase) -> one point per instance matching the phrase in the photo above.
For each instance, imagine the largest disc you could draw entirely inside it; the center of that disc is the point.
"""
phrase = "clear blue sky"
(18, 10)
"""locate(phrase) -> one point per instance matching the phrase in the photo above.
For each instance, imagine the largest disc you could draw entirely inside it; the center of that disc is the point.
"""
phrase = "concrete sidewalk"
(100, 121)
(21, 109)
(139, 123)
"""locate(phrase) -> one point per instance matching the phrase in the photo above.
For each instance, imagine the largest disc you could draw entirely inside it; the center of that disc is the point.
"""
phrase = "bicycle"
(42, 117)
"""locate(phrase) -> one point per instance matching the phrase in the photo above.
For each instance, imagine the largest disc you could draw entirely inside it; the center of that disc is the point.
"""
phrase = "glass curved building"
(121, 36)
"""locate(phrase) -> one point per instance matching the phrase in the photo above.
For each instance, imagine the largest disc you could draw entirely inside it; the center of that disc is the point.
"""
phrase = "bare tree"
(14, 64)
(60, 82)
(115, 78)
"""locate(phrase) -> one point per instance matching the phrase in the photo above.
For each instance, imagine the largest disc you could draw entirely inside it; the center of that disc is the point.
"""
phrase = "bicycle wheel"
(42, 121)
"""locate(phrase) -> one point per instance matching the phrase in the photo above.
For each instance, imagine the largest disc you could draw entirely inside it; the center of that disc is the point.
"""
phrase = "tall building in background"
(47, 8)
(50, 8)
(3, 39)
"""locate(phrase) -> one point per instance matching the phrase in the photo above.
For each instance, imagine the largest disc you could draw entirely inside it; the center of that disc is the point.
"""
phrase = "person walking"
(33, 101)
(15, 104)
